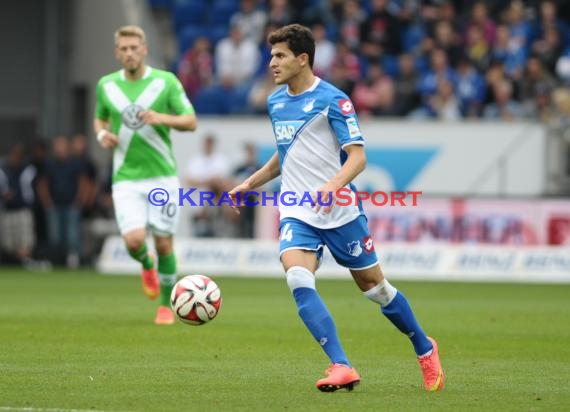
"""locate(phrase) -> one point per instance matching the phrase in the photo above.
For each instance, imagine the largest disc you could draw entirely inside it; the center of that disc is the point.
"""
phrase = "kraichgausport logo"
(342, 197)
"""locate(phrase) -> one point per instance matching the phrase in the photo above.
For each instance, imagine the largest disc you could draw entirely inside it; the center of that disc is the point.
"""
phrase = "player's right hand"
(241, 188)
(109, 140)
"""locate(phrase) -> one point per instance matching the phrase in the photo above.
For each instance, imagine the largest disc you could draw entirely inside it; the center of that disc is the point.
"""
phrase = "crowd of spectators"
(56, 206)
(438, 59)
(49, 193)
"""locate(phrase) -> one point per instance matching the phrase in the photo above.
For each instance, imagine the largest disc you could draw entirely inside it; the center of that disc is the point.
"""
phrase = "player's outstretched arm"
(268, 172)
(181, 122)
(354, 165)
(106, 139)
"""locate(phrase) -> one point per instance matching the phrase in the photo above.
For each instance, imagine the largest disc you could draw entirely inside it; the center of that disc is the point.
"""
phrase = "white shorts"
(134, 208)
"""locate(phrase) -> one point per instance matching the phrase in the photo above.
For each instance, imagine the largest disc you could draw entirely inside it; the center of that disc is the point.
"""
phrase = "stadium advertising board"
(259, 258)
(451, 159)
(453, 220)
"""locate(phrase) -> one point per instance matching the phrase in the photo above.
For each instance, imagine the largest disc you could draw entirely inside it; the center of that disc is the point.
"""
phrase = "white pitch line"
(29, 409)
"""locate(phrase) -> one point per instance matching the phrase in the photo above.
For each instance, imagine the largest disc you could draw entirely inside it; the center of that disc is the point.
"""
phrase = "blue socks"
(318, 320)
(399, 312)
(314, 313)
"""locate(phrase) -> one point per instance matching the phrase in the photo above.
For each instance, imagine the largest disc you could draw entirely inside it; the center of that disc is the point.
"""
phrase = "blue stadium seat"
(390, 65)
(412, 37)
(188, 34)
(217, 33)
(186, 12)
(212, 100)
(161, 4)
(221, 11)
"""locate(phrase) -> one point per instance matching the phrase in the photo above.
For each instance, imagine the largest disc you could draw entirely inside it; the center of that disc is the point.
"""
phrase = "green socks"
(167, 277)
(142, 256)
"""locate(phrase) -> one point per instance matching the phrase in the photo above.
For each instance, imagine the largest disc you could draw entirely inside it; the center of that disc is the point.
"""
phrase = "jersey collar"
(310, 89)
(147, 72)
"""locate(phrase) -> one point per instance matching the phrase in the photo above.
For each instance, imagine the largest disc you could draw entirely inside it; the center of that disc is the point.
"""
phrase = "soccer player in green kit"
(136, 108)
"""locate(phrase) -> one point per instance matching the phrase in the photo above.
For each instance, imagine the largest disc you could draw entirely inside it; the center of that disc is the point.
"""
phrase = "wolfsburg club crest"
(131, 117)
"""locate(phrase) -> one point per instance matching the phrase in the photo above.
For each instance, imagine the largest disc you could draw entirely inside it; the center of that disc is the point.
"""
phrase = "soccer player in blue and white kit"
(320, 149)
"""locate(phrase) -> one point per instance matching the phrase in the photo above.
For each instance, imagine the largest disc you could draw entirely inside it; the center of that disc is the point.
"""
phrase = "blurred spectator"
(237, 59)
(471, 89)
(448, 40)
(79, 149)
(379, 33)
(196, 67)
(325, 51)
(510, 52)
(353, 16)
(536, 87)
(480, 18)
(477, 48)
(375, 93)
(280, 12)
(563, 66)
(548, 48)
(504, 107)
(89, 193)
(260, 91)
(407, 96)
(210, 168)
(17, 238)
(519, 27)
(60, 190)
(439, 69)
(210, 172)
(345, 70)
(249, 166)
(444, 105)
(250, 20)
(535, 78)
(406, 11)
(38, 159)
(548, 18)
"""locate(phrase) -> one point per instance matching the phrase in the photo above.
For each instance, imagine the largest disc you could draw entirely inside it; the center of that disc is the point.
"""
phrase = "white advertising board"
(457, 159)
(256, 258)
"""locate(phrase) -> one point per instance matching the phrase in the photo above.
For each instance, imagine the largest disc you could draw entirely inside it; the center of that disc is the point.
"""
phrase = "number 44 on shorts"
(287, 232)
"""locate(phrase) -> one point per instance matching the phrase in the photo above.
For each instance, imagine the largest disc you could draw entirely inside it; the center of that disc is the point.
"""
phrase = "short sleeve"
(177, 99)
(101, 109)
(344, 121)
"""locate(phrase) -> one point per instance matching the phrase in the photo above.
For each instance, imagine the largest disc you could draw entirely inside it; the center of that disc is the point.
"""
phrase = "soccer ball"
(196, 299)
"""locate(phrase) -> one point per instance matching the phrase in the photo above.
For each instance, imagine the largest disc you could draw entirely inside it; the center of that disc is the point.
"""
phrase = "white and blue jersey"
(311, 129)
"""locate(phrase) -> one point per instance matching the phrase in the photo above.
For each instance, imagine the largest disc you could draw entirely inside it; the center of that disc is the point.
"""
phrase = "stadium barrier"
(437, 262)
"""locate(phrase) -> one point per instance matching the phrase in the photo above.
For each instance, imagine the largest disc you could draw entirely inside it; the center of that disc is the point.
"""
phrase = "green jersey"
(144, 151)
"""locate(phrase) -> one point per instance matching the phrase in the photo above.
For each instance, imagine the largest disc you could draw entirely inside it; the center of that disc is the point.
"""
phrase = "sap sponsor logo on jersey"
(346, 106)
(353, 129)
(285, 131)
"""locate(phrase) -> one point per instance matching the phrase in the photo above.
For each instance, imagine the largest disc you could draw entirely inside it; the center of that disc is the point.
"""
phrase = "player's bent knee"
(163, 246)
(300, 277)
(134, 240)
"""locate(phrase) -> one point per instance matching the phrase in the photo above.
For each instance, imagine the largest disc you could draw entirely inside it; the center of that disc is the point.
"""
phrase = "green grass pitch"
(78, 340)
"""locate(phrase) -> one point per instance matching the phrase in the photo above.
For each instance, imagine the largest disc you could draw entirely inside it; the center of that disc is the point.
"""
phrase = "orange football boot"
(431, 369)
(339, 376)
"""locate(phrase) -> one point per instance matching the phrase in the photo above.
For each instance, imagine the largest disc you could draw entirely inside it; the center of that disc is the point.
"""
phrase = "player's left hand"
(325, 198)
(238, 203)
(151, 117)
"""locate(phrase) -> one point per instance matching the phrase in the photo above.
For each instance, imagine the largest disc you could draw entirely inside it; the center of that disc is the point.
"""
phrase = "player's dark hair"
(299, 39)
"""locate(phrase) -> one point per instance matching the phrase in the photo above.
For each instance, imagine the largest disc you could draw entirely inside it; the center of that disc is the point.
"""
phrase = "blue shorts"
(351, 244)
